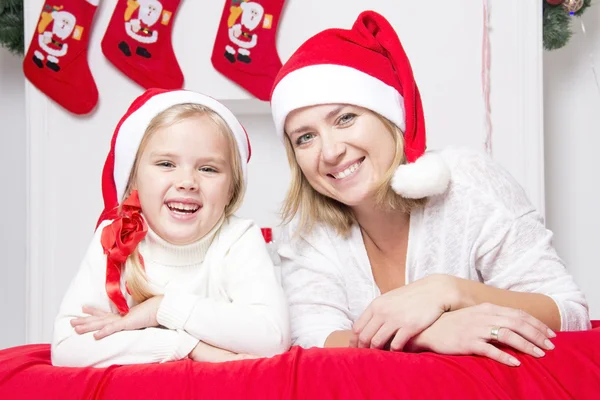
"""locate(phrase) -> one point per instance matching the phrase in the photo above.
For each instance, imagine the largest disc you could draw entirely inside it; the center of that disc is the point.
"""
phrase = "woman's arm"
(313, 284)
(339, 339)
(128, 347)
(523, 271)
(537, 305)
(254, 321)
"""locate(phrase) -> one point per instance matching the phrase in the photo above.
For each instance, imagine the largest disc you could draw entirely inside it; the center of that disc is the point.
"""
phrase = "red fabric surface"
(572, 370)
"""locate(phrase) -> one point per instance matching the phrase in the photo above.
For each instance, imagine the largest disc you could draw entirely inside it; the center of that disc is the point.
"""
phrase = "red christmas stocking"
(56, 61)
(138, 42)
(245, 49)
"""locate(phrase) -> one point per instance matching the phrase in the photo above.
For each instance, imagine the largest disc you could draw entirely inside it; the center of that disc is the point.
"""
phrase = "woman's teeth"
(183, 207)
(348, 171)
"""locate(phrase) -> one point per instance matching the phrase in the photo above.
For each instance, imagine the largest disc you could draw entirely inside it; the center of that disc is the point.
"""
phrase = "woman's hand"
(402, 313)
(105, 323)
(470, 331)
(206, 353)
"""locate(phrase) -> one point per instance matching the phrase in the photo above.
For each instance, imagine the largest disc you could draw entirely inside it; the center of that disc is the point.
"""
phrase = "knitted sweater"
(221, 290)
(482, 228)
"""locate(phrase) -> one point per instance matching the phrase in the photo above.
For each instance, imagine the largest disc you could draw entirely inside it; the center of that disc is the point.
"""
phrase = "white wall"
(12, 200)
(572, 138)
(67, 151)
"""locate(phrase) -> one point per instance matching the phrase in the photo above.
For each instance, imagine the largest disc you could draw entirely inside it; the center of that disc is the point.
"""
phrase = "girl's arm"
(254, 321)
(127, 347)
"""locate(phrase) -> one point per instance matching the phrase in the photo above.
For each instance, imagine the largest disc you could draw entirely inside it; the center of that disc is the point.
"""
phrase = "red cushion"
(572, 370)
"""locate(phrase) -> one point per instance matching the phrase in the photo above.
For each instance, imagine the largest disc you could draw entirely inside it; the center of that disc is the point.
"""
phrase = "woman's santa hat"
(364, 66)
(130, 131)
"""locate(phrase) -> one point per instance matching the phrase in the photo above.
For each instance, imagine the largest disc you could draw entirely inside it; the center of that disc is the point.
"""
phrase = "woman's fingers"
(383, 336)
(519, 314)
(528, 332)
(402, 337)
(517, 342)
(363, 320)
(491, 351)
(367, 333)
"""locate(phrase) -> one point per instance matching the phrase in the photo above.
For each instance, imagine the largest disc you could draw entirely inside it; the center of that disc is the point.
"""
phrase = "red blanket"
(571, 371)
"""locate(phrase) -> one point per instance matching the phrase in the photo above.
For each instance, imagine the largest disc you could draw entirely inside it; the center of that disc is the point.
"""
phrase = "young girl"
(171, 272)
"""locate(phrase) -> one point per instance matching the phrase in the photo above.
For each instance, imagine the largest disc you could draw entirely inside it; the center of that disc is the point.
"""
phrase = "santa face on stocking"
(140, 18)
(241, 34)
(54, 30)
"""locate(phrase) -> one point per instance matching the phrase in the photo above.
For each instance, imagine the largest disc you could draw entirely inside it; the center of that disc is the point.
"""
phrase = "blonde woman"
(387, 246)
(171, 273)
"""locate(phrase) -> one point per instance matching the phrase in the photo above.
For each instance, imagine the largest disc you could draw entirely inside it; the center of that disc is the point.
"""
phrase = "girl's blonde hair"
(137, 281)
(312, 207)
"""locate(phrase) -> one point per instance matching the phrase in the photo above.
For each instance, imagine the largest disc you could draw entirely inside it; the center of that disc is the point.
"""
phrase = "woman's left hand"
(475, 330)
(105, 323)
(404, 312)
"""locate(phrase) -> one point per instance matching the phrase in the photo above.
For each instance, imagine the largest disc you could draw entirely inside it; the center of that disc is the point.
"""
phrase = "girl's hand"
(402, 313)
(105, 323)
(206, 353)
(470, 331)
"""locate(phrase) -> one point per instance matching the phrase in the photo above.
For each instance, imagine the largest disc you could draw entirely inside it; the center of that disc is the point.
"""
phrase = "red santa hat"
(365, 66)
(130, 130)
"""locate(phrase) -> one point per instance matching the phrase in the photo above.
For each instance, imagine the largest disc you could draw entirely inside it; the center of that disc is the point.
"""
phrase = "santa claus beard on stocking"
(138, 42)
(244, 49)
(56, 61)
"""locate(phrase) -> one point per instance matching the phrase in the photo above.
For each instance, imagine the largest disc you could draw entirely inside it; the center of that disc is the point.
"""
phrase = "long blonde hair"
(137, 281)
(312, 207)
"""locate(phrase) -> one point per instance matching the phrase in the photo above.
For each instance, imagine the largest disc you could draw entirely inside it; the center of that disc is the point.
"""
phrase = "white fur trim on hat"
(334, 84)
(427, 176)
(132, 130)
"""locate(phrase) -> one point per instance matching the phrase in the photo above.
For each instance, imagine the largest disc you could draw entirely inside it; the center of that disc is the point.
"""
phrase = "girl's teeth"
(182, 207)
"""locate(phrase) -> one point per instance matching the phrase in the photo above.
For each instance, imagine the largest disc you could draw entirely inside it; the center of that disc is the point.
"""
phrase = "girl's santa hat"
(130, 131)
(365, 66)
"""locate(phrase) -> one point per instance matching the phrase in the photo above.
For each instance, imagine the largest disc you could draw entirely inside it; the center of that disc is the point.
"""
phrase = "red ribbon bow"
(119, 240)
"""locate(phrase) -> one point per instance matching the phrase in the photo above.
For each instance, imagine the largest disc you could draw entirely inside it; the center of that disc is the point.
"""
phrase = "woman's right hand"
(468, 331)
(206, 353)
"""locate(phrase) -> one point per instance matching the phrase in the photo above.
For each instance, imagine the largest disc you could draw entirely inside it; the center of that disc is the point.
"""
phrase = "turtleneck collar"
(155, 249)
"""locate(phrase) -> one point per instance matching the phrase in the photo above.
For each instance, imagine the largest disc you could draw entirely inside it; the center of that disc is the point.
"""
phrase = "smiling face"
(344, 151)
(184, 178)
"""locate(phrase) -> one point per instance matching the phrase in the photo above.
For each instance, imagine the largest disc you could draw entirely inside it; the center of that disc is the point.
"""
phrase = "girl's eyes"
(302, 139)
(346, 118)
(168, 164)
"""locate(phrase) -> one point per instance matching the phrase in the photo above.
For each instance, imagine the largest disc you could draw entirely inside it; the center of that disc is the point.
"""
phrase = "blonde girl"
(171, 272)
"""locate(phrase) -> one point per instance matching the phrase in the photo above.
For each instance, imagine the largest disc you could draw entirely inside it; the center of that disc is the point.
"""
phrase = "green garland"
(557, 24)
(11, 25)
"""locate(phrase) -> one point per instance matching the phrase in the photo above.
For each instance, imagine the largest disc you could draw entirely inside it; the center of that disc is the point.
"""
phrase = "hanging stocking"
(138, 42)
(245, 49)
(56, 61)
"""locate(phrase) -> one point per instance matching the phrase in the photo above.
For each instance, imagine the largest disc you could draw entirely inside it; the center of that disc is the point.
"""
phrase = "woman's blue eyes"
(304, 138)
(346, 118)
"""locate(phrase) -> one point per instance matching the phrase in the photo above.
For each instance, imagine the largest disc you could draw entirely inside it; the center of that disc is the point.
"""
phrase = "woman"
(387, 246)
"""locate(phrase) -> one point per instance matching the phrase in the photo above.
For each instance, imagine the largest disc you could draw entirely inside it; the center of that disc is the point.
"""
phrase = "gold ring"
(494, 333)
